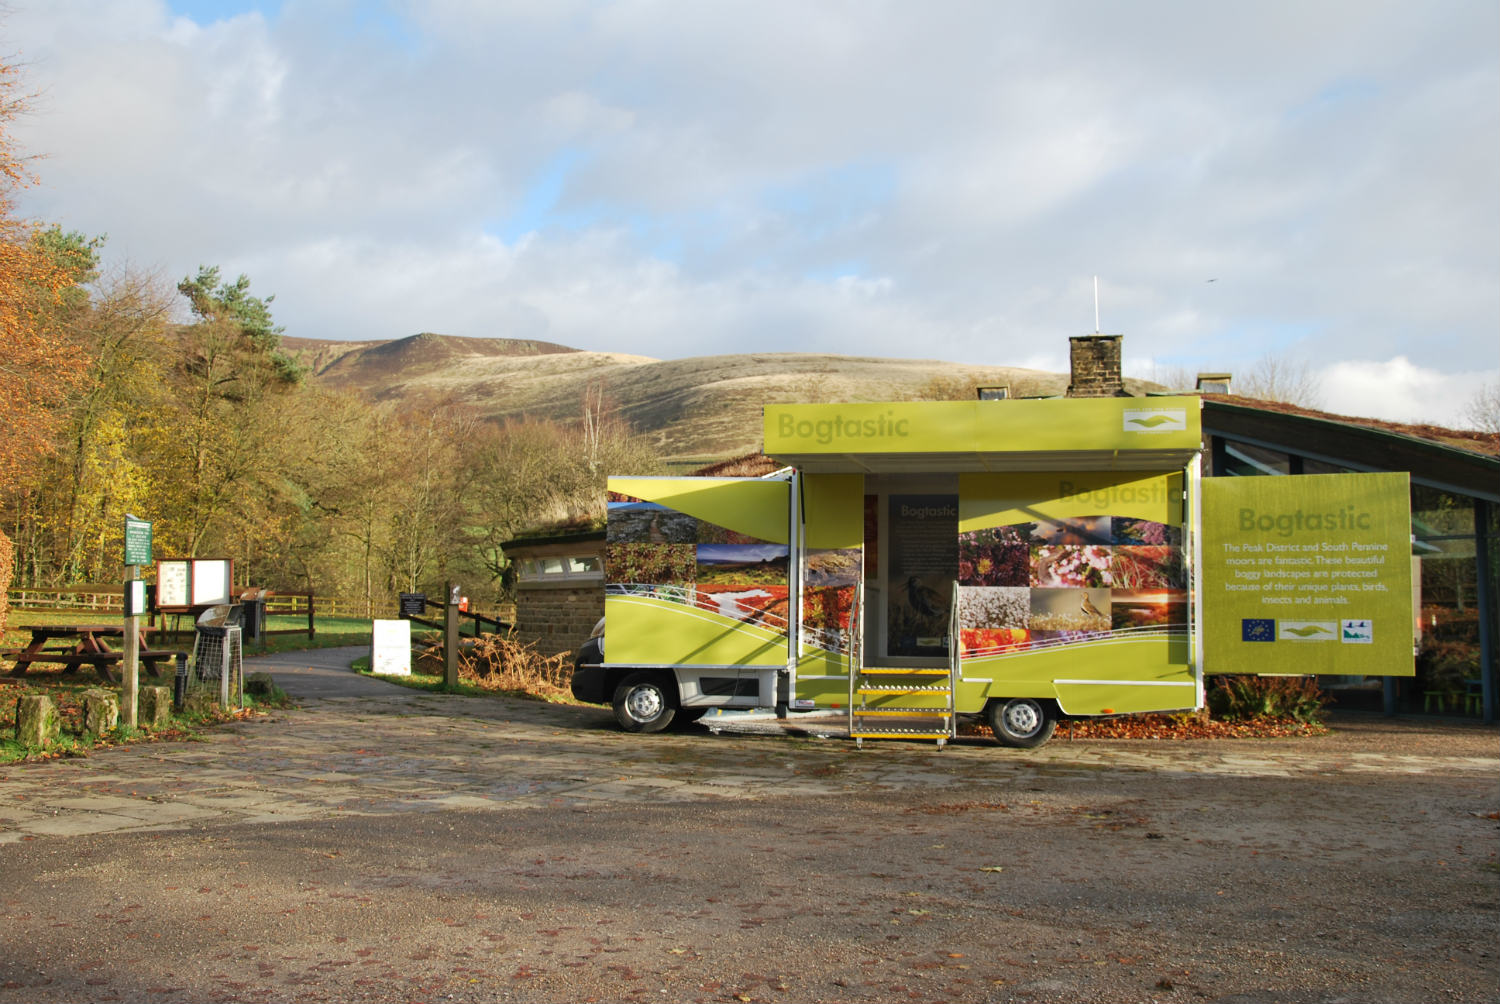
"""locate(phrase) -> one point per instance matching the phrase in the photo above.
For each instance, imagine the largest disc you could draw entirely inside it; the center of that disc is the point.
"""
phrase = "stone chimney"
(1095, 362)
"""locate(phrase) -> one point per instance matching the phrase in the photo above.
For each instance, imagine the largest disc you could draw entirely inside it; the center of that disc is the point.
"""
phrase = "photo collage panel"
(712, 567)
(830, 578)
(1052, 582)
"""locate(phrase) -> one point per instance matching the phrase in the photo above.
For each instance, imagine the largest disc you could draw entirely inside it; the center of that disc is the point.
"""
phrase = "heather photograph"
(651, 564)
(997, 556)
(1128, 530)
(827, 608)
(1148, 566)
(759, 564)
(713, 533)
(765, 605)
(650, 522)
(1071, 565)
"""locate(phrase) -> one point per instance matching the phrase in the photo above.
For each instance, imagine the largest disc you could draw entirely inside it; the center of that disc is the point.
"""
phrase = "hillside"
(698, 409)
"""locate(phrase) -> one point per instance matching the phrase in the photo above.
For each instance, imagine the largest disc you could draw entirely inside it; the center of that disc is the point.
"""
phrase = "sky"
(939, 180)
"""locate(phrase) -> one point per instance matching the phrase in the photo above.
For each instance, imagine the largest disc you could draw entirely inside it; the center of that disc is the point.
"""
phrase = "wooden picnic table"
(84, 644)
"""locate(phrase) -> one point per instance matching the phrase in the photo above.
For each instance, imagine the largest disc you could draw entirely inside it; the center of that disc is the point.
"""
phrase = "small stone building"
(559, 587)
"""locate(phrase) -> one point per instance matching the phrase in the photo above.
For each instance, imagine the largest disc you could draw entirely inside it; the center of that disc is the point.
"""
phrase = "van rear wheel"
(1021, 722)
(643, 704)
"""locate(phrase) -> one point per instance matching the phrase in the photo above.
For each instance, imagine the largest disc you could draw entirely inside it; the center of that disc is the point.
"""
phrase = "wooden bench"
(84, 645)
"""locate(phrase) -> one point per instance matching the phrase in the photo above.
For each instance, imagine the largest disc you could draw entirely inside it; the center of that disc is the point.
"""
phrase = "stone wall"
(558, 618)
(1095, 362)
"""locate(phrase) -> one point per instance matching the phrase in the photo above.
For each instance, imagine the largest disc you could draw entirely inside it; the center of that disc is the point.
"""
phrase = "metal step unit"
(892, 720)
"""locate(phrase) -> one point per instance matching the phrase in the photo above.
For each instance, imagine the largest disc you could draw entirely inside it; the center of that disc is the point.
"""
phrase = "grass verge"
(489, 664)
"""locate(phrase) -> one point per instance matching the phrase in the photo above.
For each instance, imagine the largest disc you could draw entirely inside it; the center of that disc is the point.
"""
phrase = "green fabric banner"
(1308, 574)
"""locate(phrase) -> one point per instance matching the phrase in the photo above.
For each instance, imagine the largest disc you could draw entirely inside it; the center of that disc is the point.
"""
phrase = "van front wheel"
(643, 704)
(1021, 722)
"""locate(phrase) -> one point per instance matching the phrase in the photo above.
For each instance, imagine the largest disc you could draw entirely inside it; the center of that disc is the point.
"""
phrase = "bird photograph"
(1070, 610)
(924, 599)
(917, 618)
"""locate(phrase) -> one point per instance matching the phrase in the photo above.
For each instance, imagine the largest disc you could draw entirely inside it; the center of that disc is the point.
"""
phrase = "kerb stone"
(154, 707)
(37, 723)
(101, 711)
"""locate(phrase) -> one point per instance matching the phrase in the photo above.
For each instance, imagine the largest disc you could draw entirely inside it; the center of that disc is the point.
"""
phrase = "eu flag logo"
(1257, 629)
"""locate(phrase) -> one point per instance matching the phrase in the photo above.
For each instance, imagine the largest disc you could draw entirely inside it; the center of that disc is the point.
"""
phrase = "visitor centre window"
(1447, 595)
(1244, 460)
(561, 568)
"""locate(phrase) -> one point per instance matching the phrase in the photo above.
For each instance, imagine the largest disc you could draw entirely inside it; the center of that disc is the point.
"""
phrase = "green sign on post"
(137, 541)
(1308, 575)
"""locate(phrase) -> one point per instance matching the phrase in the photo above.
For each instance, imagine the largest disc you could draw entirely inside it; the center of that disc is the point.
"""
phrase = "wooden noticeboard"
(184, 583)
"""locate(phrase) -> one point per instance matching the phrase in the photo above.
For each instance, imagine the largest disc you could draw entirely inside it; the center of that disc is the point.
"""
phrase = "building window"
(1319, 467)
(560, 568)
(1244, 460)
(1449, 657)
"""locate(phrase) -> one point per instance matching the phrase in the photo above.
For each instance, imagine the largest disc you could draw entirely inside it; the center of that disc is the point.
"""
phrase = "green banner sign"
(965, 427)
(137, 541)
(1307, 574)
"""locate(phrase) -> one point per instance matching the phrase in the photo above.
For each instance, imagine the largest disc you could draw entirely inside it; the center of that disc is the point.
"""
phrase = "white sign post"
(390, 648)
(137, 553)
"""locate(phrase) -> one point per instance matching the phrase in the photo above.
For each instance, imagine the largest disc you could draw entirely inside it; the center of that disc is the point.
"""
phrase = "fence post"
(450, 638)
(311, 626)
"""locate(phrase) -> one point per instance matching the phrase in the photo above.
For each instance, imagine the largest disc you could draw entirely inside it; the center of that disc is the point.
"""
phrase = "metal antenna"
(1096, 304)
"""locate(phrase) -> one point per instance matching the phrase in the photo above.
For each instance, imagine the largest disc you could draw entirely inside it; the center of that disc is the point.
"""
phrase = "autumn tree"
(338, 484)
(530, 474)
(37, 365)
(70, 516)
(425, 495)
(229, 370)
(37, 369)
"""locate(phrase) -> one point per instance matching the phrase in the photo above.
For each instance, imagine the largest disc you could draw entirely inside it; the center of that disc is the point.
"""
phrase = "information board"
(172, 584)
(135, 597)
(390, 647)
(211, 583)
(193, 582)
(137, 541)
(1308, 574)
(923, 542)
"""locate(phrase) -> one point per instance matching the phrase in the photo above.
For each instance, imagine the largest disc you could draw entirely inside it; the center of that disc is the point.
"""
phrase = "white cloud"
(910, 180)
(1401, 391)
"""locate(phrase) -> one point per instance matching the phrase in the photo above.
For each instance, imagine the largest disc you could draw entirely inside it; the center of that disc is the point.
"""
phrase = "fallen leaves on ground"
(1155, 726)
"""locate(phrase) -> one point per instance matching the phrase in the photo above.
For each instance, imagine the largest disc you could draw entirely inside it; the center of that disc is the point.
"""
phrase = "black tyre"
(1021, 722)
(643, 703)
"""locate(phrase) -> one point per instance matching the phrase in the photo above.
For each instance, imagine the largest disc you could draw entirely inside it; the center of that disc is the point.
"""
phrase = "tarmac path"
(383, 843)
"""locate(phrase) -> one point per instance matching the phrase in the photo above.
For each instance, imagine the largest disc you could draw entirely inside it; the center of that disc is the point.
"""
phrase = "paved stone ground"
(382, 843)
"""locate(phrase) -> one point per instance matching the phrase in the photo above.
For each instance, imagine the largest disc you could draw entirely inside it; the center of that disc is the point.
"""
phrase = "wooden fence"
(76, 598)
(109, 599)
